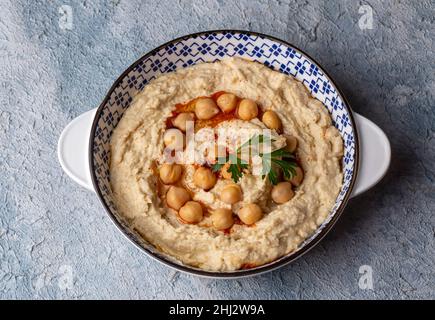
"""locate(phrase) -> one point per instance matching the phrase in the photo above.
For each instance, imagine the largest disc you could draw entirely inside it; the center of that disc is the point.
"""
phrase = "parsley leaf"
(280, 158)
(236, 174)
(216, 167)
(288, 168)
(234, 168)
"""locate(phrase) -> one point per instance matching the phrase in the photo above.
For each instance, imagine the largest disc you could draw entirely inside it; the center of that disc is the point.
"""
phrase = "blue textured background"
(51, 230)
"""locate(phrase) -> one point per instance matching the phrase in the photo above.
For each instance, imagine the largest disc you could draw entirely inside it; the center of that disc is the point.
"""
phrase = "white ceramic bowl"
(84, 144)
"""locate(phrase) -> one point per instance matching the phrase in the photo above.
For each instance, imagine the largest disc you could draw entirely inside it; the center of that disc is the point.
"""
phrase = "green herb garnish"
(235, 167)
(279, 158)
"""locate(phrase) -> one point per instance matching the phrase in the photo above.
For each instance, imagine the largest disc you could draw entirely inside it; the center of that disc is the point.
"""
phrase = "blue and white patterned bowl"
(209, 47)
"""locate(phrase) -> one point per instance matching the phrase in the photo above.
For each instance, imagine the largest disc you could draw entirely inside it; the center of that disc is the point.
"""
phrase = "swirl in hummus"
(204, 217)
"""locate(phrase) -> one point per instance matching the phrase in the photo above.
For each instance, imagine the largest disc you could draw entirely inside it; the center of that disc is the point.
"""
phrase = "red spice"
(238, 221)
(190, 107)
(227, 231)
(248, 266)
(169, 121)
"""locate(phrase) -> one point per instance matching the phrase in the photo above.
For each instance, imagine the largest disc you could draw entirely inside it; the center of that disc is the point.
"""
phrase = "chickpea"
(191, 212)
(222, 219)
(248, 109)
(250, 213)
(181, 120)
(282, 192)
(231, 194)
(292, 144)
(204, 178)
(205, 108)
(297, 179)
(227, 102)
(224, 171)
(177, 197)
(173, 139)
(170, 173)
(271, 120)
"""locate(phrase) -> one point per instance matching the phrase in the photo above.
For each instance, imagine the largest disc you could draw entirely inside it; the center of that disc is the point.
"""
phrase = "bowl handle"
(375, 155)
(375, 152)
(72, 149)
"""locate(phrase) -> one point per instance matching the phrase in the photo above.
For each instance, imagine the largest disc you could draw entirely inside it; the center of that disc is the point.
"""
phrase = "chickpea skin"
(181, 120)
(173, 139)
(177, 197)
(231, 194)
(282, 192)
(297, 179)
(222, 218)
(191, 212)
(205, 108)
(227, 102)
(204, 178)
(292, 144)
(170, 173)
(271, 120)
(248, 109)
(250, 213)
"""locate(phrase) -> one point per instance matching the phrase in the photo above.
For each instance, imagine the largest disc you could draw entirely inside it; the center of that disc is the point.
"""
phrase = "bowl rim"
(270, 266)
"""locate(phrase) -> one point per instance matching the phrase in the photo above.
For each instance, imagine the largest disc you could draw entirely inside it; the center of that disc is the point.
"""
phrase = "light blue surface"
(56, 240)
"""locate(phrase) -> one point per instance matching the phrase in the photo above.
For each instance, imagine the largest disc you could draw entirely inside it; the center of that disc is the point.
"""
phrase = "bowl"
(213, 46)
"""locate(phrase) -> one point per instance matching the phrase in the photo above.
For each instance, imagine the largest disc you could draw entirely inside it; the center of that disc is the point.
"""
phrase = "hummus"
(137, 148)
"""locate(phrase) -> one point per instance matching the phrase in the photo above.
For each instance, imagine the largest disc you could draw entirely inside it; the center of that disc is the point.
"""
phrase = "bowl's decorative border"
(212, 46)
